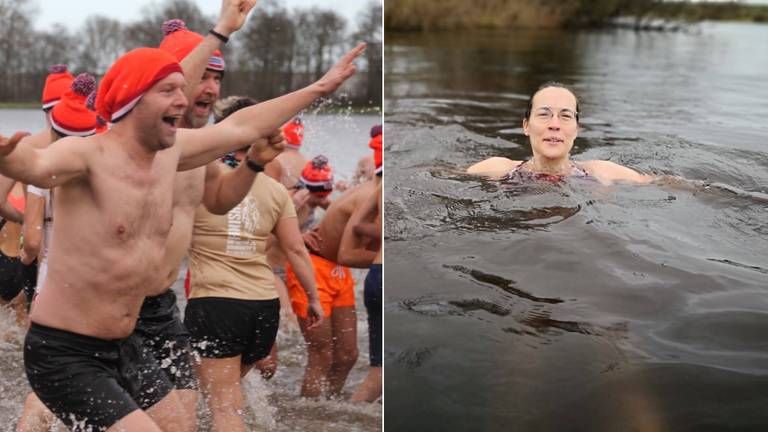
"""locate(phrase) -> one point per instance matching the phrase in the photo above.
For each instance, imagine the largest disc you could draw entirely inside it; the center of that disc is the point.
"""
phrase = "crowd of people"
(101, 208)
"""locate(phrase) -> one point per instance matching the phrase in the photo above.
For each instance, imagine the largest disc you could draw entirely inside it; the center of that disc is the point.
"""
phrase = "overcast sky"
(73, 12)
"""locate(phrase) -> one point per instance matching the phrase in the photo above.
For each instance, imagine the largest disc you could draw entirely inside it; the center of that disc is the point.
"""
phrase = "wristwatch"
(253, 165)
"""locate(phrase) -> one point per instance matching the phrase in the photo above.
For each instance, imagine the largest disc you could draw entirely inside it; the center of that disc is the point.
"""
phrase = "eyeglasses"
(565, 115)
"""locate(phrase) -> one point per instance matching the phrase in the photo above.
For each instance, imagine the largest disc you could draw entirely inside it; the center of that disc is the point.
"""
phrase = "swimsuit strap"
(519, 166)
(578, 170)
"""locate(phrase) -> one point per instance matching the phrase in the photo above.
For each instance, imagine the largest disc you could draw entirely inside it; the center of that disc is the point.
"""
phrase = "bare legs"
(332, 352)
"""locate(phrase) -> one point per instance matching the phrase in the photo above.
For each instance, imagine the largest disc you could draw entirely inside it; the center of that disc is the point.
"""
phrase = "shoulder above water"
(605, 171)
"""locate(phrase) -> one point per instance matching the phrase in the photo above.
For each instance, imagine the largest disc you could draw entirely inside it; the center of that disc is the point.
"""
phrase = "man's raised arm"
(231, 19)
(242, 128)
(52, 166)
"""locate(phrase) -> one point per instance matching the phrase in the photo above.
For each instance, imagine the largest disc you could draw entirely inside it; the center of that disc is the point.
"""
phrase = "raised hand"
(7, 145)
(340, 72)
(266, 149)
(233, 14)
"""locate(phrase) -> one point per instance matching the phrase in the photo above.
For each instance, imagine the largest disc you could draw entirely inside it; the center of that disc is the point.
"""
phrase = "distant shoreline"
(445, 15)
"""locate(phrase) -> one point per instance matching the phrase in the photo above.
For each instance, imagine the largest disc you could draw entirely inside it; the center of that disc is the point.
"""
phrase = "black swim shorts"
(162, 331)
(372, 297)
(91, 383)
(225, 327)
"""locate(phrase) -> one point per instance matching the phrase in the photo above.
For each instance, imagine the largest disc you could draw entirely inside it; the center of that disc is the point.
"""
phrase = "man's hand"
(266, 149)
(233, 15)
(299, 198)
(7, 145)
(314, 314)
(340, 72)
(312, 240)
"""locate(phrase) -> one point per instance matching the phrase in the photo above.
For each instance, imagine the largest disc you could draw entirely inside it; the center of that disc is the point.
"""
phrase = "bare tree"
(369, 30)
(146, 31)
(101, 44)
(267, 50)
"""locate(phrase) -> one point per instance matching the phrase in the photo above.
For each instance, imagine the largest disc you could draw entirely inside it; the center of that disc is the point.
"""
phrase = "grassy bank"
(425, 15)
(19, 105)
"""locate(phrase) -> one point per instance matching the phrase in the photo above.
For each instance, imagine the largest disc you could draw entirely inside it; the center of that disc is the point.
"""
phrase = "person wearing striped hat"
(180, 41)
(80, 355)
(332, 347)
(362, 234)
(286, 168)
(56, 83)
(69, 117)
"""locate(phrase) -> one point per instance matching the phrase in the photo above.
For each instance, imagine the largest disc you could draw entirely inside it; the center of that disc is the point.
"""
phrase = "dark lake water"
(578, 307)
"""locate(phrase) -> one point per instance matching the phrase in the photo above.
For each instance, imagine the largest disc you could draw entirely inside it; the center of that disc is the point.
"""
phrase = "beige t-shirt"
(227, 256)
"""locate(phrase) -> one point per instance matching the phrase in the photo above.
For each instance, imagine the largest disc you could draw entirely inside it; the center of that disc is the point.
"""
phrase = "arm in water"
(242, 128)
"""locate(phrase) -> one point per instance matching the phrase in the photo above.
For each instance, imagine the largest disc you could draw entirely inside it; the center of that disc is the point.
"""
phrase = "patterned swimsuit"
(518, 173)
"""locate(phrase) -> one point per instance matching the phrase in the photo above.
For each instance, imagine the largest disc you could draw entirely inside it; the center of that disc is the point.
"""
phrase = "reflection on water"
(576, 306)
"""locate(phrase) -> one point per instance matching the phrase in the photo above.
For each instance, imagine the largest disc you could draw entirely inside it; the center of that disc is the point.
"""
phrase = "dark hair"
(548, 84)
(226, 107)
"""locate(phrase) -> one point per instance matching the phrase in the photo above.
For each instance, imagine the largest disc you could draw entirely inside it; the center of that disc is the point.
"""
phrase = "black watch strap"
(219, 36)
(253, 165)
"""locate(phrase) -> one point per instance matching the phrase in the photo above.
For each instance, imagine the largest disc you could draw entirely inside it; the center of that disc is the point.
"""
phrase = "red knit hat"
(294, 133)
(376, 144)
(71, 117)
(129, 78)
(317, 176)
(90, 103)
(180, 41)
(58, 81)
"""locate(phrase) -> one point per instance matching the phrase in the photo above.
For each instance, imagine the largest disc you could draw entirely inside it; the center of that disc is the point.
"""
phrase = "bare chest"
(135, 205)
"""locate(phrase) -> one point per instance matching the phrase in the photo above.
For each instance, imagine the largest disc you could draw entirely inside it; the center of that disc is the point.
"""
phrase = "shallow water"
(273, 405)
(576, 306)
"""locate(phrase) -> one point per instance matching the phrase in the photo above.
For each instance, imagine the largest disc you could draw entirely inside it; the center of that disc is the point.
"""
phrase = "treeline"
(275, 52)
(425, 15)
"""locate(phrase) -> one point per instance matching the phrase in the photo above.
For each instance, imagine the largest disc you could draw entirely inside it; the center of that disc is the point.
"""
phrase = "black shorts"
(162, 331)
(89, 382)
(15, 277)
(372, 297)
(225, 327)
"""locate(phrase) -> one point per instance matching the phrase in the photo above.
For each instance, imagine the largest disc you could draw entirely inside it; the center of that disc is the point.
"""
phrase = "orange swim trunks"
(335, 287)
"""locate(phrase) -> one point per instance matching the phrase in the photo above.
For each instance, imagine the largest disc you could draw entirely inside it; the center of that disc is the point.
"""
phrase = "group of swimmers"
(125, 182)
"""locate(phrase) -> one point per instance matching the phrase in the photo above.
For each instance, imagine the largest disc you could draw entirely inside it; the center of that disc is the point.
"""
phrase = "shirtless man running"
(332, 347)
(114, 213)
(159, 324)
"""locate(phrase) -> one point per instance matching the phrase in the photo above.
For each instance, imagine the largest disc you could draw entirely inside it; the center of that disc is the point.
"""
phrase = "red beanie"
(71, 117)
(180, 41)
(294, 133)
(129, 78)
(317, 176)
(58, 81)
(376, 144)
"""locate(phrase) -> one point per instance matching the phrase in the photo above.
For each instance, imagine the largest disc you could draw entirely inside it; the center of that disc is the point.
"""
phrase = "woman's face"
(552, 126)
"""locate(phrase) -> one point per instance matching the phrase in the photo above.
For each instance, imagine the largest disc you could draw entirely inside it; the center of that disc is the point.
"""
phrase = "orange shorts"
(335, 287)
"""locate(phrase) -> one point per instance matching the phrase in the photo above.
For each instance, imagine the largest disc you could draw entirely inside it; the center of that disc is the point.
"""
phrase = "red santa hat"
(317, 176)
(294, 133)
(376, 144)
(71, 116)
(58, 81)
(180, 41)
(129, 78)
